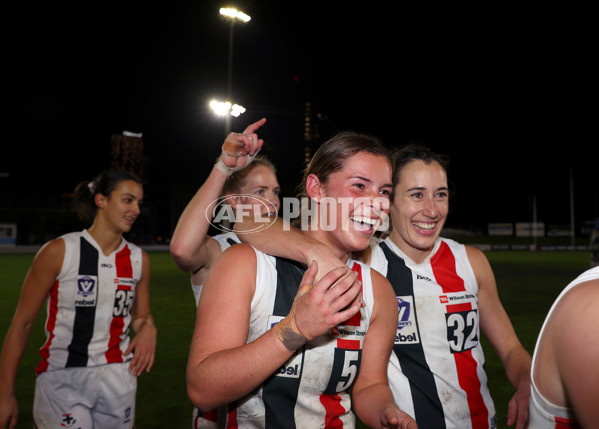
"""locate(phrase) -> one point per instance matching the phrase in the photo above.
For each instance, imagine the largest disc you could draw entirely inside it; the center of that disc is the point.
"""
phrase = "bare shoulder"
(382, 288)
(241, 250)
(579, 308)
(145, 257)
(481, 267)
(51, 255)
(239, 260)
(573, 327)
(476, 256)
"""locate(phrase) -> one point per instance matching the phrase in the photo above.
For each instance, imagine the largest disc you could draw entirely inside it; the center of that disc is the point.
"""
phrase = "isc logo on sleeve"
(86, 291)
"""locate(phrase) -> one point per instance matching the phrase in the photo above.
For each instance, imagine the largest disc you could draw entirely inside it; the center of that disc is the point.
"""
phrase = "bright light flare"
(223, 108)
(234, 14)
(237, 110)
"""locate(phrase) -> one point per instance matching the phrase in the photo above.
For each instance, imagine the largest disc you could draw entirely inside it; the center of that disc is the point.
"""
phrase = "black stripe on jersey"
(427, 405)
(231, 241)
(280, 393)
(83, 326)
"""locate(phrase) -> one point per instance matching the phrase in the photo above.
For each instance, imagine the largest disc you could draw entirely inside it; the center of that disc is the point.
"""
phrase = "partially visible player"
(565, 376)
(238, 177)
(243, 178)
(96, 286)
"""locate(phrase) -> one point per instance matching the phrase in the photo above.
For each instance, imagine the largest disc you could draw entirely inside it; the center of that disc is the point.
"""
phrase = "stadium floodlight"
(225, 108)
(235, 14)
(237, 110)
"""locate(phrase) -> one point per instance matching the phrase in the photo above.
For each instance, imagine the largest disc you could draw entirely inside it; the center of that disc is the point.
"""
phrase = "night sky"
(509, 94)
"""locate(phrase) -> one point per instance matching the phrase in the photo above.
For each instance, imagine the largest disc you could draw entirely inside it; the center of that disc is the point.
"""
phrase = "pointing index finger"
(253, 127)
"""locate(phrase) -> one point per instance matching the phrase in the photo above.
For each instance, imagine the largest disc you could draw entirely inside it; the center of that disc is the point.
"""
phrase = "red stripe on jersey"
(355, 319)
(123, 263)
(210, 416)
(232, 419)
(457, 308)
(333, 407)
(348, 344)
(117, 325)
(444, 269)
(50, 324)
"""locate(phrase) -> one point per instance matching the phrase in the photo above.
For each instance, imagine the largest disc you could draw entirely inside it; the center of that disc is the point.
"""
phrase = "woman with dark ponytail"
(96, 286)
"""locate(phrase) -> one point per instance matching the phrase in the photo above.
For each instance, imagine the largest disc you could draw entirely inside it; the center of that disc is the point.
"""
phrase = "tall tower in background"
(127, 152)
(311, 133)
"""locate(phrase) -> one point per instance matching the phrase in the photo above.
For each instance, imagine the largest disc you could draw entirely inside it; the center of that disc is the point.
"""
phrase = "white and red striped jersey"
(88, 309)
(436, 369)
(542, 413)
(311, 389)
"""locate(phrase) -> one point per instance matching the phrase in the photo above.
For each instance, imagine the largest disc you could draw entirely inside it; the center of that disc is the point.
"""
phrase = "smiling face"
(419, 209)
(352, 202)
(122, 207)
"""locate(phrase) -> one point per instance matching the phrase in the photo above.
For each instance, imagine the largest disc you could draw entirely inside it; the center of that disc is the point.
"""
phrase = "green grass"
(528, 282)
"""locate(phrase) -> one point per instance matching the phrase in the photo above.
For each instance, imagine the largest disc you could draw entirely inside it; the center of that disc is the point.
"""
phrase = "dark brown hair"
(104, 183)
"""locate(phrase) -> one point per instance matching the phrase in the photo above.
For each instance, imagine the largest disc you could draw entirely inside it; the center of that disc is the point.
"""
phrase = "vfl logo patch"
(404, 308)
(87, 291)
(407, 329)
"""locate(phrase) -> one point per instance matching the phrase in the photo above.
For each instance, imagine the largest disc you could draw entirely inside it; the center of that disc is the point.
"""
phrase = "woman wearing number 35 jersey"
(96, 287)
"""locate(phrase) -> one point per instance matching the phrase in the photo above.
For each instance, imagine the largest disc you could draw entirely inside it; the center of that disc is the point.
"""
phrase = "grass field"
(528, 283)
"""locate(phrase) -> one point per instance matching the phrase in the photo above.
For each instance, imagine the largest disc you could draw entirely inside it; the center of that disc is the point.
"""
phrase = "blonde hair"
(238, 179)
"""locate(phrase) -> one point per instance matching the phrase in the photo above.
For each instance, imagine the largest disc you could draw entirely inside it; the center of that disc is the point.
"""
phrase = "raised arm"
(498, 329)
(36, 287)
(372, 397)
(190, 246)
(221, 330)
(286, 241)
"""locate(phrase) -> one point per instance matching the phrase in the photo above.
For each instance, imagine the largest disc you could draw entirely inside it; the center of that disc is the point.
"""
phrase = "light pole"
(233, 15)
